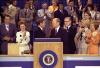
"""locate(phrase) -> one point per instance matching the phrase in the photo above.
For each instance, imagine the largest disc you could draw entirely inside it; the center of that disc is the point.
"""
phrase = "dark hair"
(70, 1)
(60, 4)
(91, 6)
(40, 20)
(55, 1)
(96, 26)
(7, 16)
(70, 17)
(13, 1)
(87, 13)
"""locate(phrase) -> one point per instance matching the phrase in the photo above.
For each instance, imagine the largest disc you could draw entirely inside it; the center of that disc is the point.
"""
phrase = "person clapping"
(23, 39)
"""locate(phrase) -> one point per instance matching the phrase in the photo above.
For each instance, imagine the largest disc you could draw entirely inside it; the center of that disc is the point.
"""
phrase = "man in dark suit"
(61, 14)
(39, 33)
(68, 37)
(7, 34)
(57, 31)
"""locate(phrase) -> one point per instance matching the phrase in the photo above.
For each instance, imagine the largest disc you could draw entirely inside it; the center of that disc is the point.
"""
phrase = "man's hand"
(6, 38)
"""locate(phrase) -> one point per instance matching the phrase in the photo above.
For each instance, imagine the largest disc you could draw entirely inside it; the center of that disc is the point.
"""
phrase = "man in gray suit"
(43, 12)
(7, 34)
(27, 14)
(70, 8)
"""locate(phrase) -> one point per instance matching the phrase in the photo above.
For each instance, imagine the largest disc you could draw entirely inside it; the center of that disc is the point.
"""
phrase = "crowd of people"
(76, 25)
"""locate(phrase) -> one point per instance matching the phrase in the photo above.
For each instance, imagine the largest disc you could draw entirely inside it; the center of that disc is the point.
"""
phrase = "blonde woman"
(53, 7)
(93, 40)
(80, 39)
(87, 18)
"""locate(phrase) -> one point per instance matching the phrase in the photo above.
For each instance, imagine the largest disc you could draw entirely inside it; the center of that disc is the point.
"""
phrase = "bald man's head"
(55, 22)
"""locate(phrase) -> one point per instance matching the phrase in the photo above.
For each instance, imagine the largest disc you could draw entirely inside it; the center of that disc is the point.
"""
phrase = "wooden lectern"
(13, 49)
(41, 47)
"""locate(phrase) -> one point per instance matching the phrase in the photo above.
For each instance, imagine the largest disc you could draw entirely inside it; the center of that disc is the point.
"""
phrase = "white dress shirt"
(7, 27)
(93, 14)
(57, 29)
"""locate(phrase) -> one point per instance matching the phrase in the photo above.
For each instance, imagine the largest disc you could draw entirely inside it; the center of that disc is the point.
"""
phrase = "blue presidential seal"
(48, 59)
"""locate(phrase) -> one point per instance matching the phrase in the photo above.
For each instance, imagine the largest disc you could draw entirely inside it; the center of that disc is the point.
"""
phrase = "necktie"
(61, 11)
(67, 29)
(55, 31)
(26, 12)
(7, 27)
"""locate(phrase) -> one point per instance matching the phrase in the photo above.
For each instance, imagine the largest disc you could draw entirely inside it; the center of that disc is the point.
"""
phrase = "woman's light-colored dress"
(81, 43)
(23, 41)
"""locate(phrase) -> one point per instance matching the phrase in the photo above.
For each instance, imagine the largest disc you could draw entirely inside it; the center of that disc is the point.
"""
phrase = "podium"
(13, 49)
(48, 54)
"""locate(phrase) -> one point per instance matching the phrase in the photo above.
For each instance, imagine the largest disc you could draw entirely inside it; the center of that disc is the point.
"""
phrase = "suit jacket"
(68, 40)
(11, 33)
(27, 15)
(39, 33)
(69, 10)
(61, 16)
(59, 34)
(42, 12)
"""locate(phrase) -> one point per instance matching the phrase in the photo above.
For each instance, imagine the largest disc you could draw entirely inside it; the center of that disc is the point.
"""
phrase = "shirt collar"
(40, 27)
(57, 28)
(6, 24)
(68, 26)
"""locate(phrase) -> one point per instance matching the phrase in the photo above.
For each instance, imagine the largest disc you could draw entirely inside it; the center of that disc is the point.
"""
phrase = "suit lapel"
(10, 28)
(5, 30)
(57, 33)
